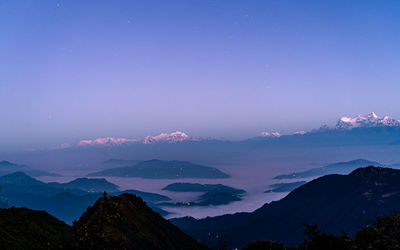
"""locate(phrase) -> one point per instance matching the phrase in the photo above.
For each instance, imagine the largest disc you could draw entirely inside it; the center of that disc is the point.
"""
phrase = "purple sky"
(72, 70)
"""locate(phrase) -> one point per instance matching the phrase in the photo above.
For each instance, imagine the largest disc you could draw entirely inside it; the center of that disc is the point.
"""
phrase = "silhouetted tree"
(317, 240)
(383, 233)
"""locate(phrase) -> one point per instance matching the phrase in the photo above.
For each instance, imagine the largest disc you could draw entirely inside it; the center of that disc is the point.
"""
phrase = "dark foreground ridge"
(22, 228)
(334, 202)
(115, 222)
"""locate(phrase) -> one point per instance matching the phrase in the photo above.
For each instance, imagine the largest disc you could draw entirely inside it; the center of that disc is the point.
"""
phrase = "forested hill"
(114, 222)
(334, 202)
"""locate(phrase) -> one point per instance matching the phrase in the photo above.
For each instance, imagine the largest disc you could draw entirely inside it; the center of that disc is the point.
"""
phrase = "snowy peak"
(176, 136)
(370, 120)
(107, 141)
(270, 134)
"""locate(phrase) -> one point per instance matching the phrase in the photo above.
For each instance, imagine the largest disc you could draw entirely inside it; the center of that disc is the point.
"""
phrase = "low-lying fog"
(252, 171)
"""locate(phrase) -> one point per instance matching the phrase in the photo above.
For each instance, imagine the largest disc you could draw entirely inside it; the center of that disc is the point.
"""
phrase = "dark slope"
(116, 222)
(335, 202)
(156, 169)
(22, 228)
(126, 222)
(285, 187)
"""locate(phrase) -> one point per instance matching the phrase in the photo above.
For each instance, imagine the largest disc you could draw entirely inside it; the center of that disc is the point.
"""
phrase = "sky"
(72, 70)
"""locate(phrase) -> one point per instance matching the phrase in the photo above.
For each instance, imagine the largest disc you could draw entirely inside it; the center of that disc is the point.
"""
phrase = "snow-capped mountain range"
(173, 137)
(344, 123)
(366, 121)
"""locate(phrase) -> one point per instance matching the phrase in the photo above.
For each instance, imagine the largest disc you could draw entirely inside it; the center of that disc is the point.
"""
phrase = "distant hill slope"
(120, 162)
(335, 168)
(284, 187)
(20, 178)
(7, 167)
(115, 222)
(126, 222)
(88, 185)
(157, 169)
(213, 194)
(22, 228)
(334, 202)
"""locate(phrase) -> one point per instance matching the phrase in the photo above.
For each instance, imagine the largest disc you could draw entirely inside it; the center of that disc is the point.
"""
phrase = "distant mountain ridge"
(120, 162)
(158, 169)
(334, 168)
(7, 167)
(88, 185)
(370, 120)
(173, 137)
(344, 124)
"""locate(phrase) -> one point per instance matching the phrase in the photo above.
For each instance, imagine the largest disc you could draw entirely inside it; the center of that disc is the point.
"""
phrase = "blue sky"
(71, 70)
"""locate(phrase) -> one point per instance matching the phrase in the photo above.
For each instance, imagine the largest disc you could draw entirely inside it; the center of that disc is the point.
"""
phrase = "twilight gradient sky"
(72, 70)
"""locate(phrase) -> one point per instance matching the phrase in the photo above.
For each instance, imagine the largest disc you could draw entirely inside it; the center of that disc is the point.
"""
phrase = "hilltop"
(157, 169)
(113, 222)
(334, 202)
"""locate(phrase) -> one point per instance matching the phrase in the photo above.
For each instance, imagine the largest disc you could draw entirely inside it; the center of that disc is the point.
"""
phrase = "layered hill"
(334, 202)
(66, 201)
(88, 185)
(157, 169)
(212, 194)
(7, 167)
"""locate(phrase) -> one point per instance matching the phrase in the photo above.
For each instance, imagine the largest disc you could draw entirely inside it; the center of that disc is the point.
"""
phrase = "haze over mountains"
(251, 164)
(199, 124)
(362, 130)
(220, 178)
(345, 123)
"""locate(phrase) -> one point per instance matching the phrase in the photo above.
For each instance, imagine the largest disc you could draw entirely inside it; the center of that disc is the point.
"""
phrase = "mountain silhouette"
(334, 202)
(113, 222)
